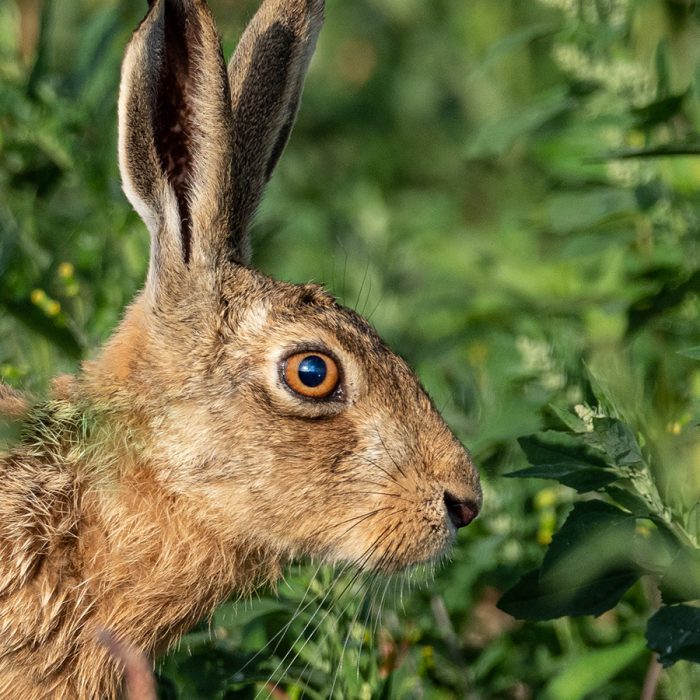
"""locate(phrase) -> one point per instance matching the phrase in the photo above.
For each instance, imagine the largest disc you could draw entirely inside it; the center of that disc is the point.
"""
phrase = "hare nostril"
(461, 512)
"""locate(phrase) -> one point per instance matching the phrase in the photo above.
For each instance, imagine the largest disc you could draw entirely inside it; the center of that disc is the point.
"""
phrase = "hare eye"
(311, 374)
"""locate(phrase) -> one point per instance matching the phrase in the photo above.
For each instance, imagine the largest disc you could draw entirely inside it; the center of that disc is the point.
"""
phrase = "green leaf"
(534, 599)
(692, 353)
(61, 336)
(627, 499)
(617, 440)
(681, 581)
(589, 671)
(235, 613)
(586, 569)
(575, 211)
(595, 534)
(567, 419)
(498, 135)
(567, 459)
(659, 111)
(674, 633)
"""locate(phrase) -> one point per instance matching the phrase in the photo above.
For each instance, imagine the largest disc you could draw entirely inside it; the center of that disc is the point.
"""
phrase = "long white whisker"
(359, 562)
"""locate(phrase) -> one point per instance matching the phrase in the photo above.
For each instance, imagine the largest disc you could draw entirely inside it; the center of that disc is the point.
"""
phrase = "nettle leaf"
(565, 458)
(586, 570)
(674, 633)
(535, 599)
(617, 440)
(594, 530)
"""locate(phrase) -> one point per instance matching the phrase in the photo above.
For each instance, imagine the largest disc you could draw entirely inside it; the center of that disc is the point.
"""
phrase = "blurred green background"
(509, 190)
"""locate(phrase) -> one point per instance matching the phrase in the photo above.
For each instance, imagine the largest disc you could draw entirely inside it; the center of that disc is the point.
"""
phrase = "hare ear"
(266, 76)
(175, 137)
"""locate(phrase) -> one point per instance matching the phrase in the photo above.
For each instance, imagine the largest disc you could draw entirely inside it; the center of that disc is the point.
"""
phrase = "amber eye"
(311, 374)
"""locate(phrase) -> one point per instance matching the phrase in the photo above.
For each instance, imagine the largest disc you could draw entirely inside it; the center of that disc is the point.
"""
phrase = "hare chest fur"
(232, 422)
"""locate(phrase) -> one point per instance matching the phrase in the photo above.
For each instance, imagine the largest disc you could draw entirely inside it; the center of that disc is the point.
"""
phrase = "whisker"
(386, 449)
(376, 306)
(348, 635)
(378, 466)
(359, 518)
(382, 493)
(362, 286)
(358, 562)
(279, 635)
(279, 665)
(377, 483)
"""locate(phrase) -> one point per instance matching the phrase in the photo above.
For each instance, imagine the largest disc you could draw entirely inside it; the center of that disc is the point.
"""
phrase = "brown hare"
(232, 422)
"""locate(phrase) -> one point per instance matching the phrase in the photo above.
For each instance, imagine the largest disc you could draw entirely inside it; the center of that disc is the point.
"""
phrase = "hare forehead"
(269, 305)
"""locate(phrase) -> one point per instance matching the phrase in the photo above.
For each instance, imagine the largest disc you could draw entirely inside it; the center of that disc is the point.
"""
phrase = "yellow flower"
(52, 308)
(66, 270)
(38, 296)
(546, 498)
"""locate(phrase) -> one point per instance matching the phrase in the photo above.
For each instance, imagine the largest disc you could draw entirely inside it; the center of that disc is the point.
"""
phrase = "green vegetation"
(509, 189)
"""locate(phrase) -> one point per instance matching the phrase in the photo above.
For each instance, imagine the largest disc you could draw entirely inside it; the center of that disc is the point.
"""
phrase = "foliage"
(603, 548)
(510, 190)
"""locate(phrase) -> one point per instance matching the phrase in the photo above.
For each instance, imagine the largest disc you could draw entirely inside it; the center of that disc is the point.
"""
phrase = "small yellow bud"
(546, 498)
(642, 530)
(544, 536)
(66, 270)
(38, 296)
(52, 308)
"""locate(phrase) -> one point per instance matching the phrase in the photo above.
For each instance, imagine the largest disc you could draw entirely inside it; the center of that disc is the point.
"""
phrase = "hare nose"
(461, 512)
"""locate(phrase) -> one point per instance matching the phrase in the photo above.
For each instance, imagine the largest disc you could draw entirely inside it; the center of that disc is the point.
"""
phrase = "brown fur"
(12, 403)
(177, 467)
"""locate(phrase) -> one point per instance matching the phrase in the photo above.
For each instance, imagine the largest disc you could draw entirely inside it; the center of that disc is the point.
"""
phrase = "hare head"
(278, 407)
(232, 422)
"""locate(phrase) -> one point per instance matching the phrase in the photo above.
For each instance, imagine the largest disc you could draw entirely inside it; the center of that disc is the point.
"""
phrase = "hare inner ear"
(173, 124)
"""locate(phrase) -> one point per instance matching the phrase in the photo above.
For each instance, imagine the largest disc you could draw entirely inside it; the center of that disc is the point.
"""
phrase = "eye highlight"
(311, 374)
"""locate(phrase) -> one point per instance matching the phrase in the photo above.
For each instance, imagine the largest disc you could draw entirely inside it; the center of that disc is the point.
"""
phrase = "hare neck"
(90, 540)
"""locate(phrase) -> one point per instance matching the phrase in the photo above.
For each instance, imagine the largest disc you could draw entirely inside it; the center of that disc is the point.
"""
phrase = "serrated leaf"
(674, 634)
(594, 534)
(565, 458)
(617, 440)
(534, 599)
(583, 479)
(586, 570)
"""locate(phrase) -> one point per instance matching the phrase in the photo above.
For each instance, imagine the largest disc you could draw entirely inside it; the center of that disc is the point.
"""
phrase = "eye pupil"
(312, 375)
(312, 371)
